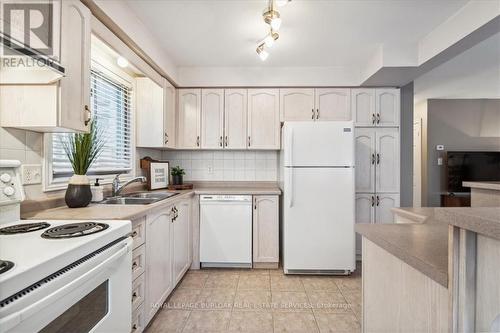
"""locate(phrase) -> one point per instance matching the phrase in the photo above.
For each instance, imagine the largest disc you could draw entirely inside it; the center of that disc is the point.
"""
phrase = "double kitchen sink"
(139, 198)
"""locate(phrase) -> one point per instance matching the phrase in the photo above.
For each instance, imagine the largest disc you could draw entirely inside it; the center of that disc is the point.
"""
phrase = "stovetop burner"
(23, 228)
(74, 230)
(5, 265)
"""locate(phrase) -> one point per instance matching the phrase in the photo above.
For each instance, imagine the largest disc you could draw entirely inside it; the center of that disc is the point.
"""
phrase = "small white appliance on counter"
(226, 231)
(61, 276)
(317, 179)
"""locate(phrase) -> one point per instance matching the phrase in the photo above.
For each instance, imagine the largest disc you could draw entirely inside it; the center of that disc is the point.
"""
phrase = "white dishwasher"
(226, 230)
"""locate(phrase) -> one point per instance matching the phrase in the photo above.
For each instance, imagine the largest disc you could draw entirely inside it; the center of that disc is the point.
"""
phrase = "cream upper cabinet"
(297, 104)
(65, 105)
(149, 106)
(387, 107)
(383, 204)
(333, 104)
(363, 107)
(235, 119)
(189, 114)
(387, 160)
(212, 118)
(169, 135)
(263, 119)
(75, 58)
(266, 229)
(365, 159)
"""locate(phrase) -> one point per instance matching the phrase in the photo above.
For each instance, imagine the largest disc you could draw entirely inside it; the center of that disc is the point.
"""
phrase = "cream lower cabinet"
(263, 119)
(159, 282)
(321, 104)
(181, 239)
(265, 231)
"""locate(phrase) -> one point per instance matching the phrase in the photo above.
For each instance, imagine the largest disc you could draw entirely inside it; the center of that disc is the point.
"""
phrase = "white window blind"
(110, 105)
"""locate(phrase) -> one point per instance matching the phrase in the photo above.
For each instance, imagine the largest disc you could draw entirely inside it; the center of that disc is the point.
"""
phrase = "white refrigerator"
(317, 179)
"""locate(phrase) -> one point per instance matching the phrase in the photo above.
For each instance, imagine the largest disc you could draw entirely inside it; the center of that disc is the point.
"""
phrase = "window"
(110, 104)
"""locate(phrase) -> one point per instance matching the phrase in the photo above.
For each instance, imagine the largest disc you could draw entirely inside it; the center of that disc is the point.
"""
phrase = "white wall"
(225, 165)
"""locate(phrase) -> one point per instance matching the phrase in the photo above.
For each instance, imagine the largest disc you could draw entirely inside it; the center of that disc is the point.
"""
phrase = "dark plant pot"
(78, 193)
(177, 179)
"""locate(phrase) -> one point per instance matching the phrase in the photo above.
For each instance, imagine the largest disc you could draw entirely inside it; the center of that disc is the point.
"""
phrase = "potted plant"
(177, 173)
(82, 150)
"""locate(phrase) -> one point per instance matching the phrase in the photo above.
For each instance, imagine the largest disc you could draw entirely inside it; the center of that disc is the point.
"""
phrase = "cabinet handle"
(378, 158)
(373, 118)
(220, 141)
(87, 115)
(134, 327)
(134, 265)
(373, 201)
(226, 141)
(134, 234)
(317, 114)
(312, 116)
(249, 141)
(134, 296)
(166, 137)
(373, 158)
(378, 200)
(378, 118)
(198, 141)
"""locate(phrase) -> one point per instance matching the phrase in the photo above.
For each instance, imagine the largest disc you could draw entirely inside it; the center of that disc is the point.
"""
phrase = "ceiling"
(224, 33)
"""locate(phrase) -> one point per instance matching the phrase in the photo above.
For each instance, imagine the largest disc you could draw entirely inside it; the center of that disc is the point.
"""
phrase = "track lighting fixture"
(263, 54)
(272, 17)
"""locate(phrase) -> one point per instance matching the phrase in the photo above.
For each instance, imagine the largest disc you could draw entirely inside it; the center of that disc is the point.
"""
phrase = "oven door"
(94, 298)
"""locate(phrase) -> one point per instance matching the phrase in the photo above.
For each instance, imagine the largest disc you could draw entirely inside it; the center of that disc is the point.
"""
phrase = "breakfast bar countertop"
(421, 245)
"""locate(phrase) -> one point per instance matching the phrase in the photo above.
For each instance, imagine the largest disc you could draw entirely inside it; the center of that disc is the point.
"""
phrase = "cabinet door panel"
(149, 113)
(365, 213)
(333, 104)
(387, 160)
(263, 119)
(158, 260)
(365, 160)
(363, 107)
(75, 57)
(235, 119)
(169, 137)
(383, 204)
(265, 229)
(188, 136)
(388, 107)
(181, 236)
(212, 118)
(297, 104)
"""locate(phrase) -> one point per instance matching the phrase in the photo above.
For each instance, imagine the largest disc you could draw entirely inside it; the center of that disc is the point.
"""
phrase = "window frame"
(60, 183)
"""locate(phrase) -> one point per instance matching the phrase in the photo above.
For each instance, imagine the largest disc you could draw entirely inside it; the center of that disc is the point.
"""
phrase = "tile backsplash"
(225, 165)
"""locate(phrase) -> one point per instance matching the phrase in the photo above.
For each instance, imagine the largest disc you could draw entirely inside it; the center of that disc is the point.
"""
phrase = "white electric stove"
(61, 276)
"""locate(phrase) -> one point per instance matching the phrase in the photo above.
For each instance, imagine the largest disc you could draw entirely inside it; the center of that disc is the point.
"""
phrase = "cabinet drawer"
(138, 232)
(138, 320)
(137, 292)
(138, 262)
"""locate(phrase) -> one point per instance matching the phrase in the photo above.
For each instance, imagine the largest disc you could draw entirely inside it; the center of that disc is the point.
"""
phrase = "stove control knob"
(5, 177)
(8, 191)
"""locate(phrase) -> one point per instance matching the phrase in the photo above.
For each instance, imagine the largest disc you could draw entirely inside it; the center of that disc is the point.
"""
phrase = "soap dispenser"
(97, 191)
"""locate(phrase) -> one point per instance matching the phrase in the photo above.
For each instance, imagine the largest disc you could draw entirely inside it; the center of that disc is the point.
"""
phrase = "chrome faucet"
(116, 188)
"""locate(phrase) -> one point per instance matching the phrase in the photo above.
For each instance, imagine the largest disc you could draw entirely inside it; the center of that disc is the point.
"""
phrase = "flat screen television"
(471, 166)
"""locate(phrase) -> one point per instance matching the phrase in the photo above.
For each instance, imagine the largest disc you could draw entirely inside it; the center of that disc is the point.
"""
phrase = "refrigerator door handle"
(290, 182)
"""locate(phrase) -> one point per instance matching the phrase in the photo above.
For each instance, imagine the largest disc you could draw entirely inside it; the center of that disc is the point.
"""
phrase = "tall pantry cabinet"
(376, 114)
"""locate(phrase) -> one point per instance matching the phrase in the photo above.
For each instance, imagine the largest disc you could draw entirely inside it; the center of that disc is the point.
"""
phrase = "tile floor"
(261, 301)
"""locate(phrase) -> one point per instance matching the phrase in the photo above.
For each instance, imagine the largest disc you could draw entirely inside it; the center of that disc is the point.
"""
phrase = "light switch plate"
(440, 147)
(31, 173)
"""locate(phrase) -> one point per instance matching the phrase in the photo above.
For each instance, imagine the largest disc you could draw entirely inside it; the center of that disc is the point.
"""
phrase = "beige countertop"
(493, 185)
(417, 214)
(96, 211)
(423, 246)
(482, 220)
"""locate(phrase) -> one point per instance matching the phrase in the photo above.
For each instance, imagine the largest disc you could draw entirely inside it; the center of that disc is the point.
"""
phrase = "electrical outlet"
(210, 169)
(31, 173)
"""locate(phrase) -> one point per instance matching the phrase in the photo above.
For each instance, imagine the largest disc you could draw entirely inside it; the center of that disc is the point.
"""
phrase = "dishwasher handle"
(225, 198)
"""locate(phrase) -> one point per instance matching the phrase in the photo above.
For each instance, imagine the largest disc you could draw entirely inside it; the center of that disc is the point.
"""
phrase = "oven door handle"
(15, 318)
